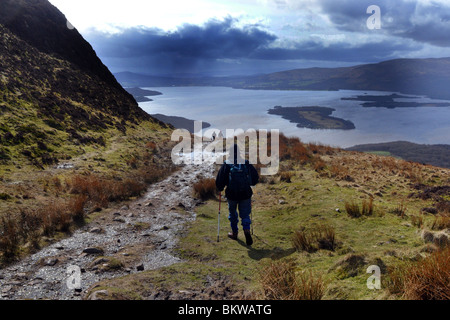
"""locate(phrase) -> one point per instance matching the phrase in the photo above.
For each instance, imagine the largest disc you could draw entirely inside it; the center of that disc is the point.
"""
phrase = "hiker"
(213, 136)
(238, 176)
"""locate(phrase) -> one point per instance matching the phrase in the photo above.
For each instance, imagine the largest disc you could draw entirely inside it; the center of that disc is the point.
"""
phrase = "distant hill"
(411, 76)
(130, 79)
(180, 122)
(428, 77)
(141, 95)
(437, 155)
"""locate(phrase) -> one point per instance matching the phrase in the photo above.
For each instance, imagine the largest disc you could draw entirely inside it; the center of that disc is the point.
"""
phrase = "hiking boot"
(233, 235)
(248, 237)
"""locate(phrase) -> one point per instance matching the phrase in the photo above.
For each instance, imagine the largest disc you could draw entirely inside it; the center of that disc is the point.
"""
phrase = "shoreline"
(179, 122)
(388, 101)
(141, 95)
(350, 95)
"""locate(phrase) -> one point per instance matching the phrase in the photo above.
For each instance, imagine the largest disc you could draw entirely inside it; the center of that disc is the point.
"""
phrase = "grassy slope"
(54, 112)
(131, 157)
(280, 208)
(43, 123)
(23, 181)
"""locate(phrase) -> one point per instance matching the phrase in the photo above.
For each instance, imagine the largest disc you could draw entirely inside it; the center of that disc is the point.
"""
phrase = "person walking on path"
(238, 176)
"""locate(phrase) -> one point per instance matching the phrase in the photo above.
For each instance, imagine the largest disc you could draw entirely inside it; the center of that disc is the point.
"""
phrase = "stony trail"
(142, 233)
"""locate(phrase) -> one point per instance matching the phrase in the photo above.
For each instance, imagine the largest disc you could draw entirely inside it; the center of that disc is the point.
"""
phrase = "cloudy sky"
(227, 37)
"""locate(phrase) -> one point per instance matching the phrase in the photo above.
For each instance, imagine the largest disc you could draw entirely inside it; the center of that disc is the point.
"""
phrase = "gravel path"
(144, 233)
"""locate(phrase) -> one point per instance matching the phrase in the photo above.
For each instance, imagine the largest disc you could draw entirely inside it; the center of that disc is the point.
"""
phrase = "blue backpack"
(239, 180)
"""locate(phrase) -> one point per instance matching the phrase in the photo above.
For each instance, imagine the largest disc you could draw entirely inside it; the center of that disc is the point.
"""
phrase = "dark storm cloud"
(422, 22)
(344, 52)
(215, 40)
(190, 48)
(226, 45)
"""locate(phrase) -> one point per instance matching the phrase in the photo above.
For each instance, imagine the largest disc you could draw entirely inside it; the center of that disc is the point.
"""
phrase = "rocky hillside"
(54, 91)
(72, 140)
(43, 26)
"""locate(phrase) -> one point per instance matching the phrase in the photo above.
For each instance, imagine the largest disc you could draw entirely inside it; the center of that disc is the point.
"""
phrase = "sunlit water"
(226, 108)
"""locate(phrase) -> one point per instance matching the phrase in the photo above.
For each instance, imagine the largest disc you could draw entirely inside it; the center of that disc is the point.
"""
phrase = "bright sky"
(107, 15)
(291, 33)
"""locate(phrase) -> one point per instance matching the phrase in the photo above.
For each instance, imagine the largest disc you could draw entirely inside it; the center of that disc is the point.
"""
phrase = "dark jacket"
(223, 177)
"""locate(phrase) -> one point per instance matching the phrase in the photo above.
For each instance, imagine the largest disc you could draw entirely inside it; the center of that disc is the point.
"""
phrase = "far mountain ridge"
(437, 154)
(427, 77)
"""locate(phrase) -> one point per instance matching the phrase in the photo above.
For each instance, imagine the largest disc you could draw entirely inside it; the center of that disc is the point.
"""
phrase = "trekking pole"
(251, 219)
(218, 220)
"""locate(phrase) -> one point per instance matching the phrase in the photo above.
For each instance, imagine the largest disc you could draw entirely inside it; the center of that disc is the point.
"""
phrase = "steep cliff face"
(44, 27)
(54, 91)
